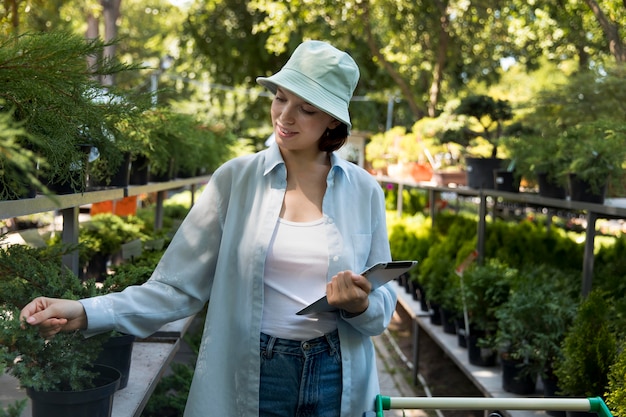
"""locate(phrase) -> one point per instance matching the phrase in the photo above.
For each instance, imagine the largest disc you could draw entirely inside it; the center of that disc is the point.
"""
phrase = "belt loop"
(331, 342)
(270, 347)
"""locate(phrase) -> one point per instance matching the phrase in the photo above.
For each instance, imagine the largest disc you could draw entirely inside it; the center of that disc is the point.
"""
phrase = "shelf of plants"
(592, 212)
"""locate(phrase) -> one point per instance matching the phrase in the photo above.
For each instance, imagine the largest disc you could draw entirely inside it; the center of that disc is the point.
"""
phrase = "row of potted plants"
(69, 364)
(521, 308)
(570, 140)
(63, 132)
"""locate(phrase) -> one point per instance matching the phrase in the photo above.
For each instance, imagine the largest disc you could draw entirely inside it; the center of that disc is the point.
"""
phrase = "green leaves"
(26, 273)
(60, 363)
(589, 349)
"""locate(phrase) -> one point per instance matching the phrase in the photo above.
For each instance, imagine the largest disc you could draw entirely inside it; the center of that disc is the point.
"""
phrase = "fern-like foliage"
(61, 363)
(27, 273)
(14, 409)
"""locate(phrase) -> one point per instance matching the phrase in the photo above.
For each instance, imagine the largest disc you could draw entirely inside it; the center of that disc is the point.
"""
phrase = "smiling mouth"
(284, 132)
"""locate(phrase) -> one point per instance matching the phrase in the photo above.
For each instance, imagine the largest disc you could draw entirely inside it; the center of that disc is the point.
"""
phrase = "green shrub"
(486, 288)
(105, 233)
(532, 322)
(15, 409)
(63, 362)
(437, 270)
(616, 393)
(525, 243)
(588, 350)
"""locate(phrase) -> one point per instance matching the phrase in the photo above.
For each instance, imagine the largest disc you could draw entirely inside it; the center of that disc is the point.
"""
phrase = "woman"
(271, 233)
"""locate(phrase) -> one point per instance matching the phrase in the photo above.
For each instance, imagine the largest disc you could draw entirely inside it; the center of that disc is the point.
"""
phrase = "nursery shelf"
(487, 379)
(149, 362)
(485, 198)
(68, 205)
(43, 203)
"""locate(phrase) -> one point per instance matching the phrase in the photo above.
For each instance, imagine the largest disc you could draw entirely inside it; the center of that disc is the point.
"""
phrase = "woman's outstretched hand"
(53, 315)
(349, 291)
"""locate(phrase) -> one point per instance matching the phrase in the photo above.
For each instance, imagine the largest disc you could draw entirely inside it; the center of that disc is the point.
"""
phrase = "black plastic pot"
(548, 188)
(581, 191)
(480, 172)
(480, 356)
(95, 402)
(139, 171)
(514, 380)
(435, 314)
(119, 178)
(117, 353)
(504, 180)
(447, 321)
(95, 268)
(550, 389)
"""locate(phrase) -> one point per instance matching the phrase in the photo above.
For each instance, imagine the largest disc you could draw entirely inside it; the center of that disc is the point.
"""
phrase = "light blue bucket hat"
(321, 75)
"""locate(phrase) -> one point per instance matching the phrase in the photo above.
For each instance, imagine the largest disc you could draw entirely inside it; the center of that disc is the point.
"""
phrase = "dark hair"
(334, 139)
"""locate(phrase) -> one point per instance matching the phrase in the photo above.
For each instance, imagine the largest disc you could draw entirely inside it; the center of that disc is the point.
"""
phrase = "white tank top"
(295, 276)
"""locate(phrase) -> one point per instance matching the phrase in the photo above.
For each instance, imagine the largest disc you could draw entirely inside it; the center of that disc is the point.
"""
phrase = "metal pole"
(399, 203)
(416, 351)
(595, 404)
(482, 220)
(390, 112)
(590, 234)
(158, 215)
(69, 236)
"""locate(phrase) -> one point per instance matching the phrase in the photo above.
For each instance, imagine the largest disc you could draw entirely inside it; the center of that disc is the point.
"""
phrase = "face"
(297, 124)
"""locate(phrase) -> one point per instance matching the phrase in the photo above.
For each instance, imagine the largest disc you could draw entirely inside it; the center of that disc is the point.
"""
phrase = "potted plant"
(50, 370)
(535, 156)
(593, 154)
(103, 236)
(436, 272)
(531, 326)
(588, 350)
(49, 88)
(489, 115)
(485, 288)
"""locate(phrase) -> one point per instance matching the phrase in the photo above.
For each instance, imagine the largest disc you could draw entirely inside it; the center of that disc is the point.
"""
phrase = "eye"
(279, 98)
(307, 111)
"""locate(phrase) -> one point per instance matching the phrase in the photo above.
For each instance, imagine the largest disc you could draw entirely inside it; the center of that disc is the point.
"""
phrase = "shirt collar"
(273, 158)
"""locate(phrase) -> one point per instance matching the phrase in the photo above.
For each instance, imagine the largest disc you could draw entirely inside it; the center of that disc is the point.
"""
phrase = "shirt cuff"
(100, 315)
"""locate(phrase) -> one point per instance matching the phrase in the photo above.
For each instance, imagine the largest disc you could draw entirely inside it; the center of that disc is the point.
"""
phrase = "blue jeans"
(300, 379)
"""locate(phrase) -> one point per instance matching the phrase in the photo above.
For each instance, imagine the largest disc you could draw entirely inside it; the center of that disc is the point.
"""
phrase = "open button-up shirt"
(218, 255)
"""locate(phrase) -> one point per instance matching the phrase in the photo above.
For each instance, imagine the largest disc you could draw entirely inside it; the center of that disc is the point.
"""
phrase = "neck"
(297, 161)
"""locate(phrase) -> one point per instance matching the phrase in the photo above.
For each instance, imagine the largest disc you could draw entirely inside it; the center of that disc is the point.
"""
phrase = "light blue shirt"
(219, 254)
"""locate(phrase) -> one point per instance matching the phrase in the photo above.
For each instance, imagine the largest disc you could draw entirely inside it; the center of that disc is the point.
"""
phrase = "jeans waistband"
(327, 343)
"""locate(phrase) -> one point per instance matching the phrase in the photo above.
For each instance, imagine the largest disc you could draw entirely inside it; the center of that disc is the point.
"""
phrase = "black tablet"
(378, 275)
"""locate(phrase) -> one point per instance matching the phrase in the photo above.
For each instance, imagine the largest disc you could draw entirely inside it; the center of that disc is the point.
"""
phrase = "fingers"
(53, 315)
(35, 311)
(348, 291)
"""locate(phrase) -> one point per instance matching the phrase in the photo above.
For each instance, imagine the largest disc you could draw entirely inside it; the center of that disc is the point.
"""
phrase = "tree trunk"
(442, 50)
(92, 34)
(15, 17)
(110, 12)
(611, 32)
(404, 87)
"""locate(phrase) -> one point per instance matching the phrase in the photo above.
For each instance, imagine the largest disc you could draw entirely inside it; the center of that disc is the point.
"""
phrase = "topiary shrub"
(616, 393)
(588, 350)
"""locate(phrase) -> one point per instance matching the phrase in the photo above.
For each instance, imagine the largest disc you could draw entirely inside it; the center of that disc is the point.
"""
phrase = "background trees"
(415, 56)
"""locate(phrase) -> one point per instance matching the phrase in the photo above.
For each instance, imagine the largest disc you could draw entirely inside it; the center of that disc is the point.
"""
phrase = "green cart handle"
(594, 404)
